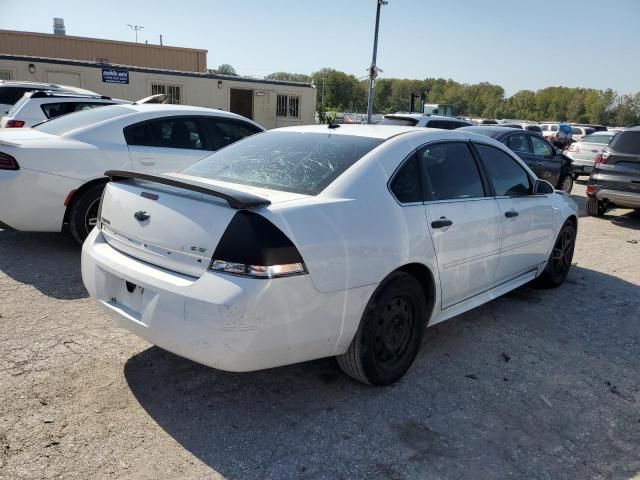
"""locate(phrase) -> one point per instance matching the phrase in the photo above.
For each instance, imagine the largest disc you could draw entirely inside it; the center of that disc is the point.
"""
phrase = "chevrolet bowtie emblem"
(141, 216)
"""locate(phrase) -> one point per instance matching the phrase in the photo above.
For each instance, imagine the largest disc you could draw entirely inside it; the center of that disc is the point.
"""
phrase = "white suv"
(40, 106)
(11, 91)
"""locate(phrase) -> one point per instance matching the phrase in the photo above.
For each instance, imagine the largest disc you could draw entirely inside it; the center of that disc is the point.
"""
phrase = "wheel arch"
(424, 276)
(78, 194)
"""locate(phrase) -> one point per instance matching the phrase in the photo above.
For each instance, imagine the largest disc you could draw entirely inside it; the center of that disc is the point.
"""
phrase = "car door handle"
(147, 161)
(441, 223)
(511, 214)
(538, 162)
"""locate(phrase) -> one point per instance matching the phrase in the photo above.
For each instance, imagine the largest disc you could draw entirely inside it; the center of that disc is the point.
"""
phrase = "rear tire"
(390, 332)
(84, 212)
(566, 183)
(560, 259)
(595, 207)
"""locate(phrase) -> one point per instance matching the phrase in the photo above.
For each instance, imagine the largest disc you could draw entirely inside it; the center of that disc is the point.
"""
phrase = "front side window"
(540, 147)
(451, 171)
(168, 132)
(406, 186)
(553, 128)
(173, 92)
(288, 106)
(506, 175)
(518, 142)
(576, 131)
(289, 161)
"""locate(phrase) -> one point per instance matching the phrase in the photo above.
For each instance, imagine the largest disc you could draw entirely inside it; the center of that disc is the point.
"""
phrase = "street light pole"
(135, 28)
(373, 73)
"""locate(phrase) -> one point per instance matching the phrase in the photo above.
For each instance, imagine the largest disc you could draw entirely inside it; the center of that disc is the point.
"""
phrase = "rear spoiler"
(234, 198)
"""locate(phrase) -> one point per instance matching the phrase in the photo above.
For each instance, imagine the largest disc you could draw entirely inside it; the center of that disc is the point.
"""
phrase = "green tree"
(289, 77)
(226, 69)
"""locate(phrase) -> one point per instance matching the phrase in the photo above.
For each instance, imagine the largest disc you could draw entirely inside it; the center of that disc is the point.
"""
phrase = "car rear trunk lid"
(173, 221)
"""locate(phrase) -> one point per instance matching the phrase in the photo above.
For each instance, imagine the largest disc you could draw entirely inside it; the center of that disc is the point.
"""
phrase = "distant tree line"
(340, 91)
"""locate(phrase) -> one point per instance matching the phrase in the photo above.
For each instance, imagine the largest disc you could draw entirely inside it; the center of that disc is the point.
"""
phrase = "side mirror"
(542, 187)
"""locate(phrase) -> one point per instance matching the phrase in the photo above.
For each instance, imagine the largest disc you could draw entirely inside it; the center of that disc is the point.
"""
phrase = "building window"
(173, 92)
(5, 74)
(288, 106)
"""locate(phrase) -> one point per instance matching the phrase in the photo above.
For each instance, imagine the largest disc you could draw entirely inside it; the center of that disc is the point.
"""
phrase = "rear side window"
(403, 122)
(505, 174)
(52, 110)
(518, 142)
(406, 183)
(289, 161)
(170, 132)
(544, 128)
(223, 132)
(576, 131)
(626, 142)
(452, 172)
(553, 128)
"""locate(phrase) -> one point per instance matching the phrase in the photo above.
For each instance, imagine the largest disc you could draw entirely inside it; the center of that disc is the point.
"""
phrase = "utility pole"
(135, 28)
(322, 102)
(373, 69)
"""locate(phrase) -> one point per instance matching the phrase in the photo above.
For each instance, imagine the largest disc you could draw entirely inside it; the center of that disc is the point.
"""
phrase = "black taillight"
(253, 246)
(7, 162)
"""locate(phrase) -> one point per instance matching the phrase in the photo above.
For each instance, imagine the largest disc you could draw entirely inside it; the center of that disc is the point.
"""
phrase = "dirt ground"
(538, 384)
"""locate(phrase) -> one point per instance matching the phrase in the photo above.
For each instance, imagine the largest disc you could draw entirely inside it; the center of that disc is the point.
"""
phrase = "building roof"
(131, 68)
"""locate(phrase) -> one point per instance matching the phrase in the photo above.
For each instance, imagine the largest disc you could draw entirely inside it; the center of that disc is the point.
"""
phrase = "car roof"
(418, 116)
(493, 131)
(180, 109)
(383, 132)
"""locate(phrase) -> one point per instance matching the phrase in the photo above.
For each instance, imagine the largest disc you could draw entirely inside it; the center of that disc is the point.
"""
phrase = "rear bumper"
(226, 322)
(619, 198)
(33, 201)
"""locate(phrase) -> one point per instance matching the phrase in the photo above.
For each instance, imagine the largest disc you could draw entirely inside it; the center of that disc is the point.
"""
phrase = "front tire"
(390, 332)
(83, 215)
(595, 207)
(560, 259)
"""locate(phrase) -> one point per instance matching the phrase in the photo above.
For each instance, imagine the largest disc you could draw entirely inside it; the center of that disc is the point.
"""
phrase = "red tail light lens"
(7, 162)
(601, 158)
(591, 189)
(14, 124)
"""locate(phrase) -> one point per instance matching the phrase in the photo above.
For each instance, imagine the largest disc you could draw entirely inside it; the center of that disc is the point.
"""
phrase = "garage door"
(63, 78)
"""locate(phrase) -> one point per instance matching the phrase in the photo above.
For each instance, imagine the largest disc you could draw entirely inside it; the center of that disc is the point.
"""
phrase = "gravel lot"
(538, 384)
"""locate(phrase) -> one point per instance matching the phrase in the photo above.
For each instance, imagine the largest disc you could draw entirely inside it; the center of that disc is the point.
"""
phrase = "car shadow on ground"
(50, 262)
(537, 384)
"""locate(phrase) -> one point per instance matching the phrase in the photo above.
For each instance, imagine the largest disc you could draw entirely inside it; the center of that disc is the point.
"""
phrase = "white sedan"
(309, 242)
(52, 175)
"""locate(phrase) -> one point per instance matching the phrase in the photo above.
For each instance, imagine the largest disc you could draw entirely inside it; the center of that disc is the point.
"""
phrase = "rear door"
(463, 219)
(167, 144)
(527, 219)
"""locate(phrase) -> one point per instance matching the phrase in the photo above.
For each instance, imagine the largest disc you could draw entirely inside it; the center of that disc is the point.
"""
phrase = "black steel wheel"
(560, 259)
(390, 332)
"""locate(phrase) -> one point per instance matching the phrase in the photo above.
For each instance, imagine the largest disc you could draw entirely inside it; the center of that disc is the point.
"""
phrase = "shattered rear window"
(299, 162)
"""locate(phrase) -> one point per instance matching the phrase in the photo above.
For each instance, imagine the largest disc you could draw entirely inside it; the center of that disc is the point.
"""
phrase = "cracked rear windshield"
(289, 161)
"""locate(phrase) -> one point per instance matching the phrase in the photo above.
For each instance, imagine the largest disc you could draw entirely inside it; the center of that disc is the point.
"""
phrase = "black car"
(546, 161)
(615, 179)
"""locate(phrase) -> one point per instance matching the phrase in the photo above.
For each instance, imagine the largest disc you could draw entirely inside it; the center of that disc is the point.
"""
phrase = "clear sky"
(515, 43)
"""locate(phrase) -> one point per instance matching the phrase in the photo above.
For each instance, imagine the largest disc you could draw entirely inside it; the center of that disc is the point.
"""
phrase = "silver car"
(583, 153)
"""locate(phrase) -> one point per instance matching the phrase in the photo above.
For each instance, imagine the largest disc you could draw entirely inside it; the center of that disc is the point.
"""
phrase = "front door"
(464, 221)
(527, 219)
(241, 102)
(545, 158)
